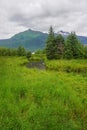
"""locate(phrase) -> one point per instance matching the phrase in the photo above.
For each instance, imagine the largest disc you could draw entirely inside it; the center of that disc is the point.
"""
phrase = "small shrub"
(28, 55)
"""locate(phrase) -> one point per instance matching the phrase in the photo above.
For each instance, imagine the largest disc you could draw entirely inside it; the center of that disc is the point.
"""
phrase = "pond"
(37, 64)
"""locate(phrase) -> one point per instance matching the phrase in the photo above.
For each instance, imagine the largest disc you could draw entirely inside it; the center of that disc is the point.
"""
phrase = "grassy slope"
(41, 100)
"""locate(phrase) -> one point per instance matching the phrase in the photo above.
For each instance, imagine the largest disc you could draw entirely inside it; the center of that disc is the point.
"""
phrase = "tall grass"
(67, 65)
(31, 99)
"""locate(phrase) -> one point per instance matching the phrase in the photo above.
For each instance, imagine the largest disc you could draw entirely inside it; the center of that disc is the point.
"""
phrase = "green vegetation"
(32, 99)
(20, 51)
(59, 48)
(78, 66)
(28, 55)
(59, 40)
(7, 52)
(51, 50)
(85, 48)
(52, 96)
(73, 48)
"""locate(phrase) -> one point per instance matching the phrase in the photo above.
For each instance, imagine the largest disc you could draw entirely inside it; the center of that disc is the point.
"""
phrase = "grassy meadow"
(52, 99)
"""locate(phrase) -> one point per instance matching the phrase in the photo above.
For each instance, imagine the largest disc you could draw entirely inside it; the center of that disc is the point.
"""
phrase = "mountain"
(33, 40)
(30, 39)
(63, 33)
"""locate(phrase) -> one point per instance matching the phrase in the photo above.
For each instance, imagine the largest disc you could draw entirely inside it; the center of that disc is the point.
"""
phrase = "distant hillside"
(32, 40)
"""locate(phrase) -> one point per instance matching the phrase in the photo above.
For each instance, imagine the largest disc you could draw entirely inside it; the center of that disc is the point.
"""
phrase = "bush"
(8, 52)
(28, 55)
(21, 51)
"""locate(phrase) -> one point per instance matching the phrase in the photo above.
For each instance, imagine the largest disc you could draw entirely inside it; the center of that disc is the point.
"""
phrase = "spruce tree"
(73, 48)
(21, 51)
(75, 45)
(50, 45)
(60, 46)
(68, 53)
(85, 52)
(28, 55)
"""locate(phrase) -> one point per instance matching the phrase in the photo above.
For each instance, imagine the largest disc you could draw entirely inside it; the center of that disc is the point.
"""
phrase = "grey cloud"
(18, 15)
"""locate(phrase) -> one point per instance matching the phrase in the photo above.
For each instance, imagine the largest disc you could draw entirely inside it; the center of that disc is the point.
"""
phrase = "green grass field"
(52, 99)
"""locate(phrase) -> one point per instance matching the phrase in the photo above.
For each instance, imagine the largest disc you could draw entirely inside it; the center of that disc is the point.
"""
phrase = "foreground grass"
(31, 99)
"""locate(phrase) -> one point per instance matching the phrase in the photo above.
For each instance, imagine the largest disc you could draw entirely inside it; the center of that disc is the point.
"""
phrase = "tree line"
(20, 51)
(70, 48)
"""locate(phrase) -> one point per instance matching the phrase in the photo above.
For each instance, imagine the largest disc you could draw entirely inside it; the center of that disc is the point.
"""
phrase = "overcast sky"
(19, 15)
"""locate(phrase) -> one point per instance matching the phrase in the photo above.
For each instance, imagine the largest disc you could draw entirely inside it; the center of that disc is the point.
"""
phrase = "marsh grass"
(42, 100)
(73, 65)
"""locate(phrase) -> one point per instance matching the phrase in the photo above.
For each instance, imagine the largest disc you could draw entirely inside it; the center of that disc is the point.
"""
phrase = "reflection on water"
(37, 64)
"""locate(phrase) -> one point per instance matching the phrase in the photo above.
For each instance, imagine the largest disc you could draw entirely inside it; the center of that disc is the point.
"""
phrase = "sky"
(19, 15)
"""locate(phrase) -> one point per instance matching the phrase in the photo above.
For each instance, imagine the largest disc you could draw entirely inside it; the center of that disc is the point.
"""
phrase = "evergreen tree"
(75, 45)
(60, 45)
(85, 50)
(58, 48)
(68, 53)
(73, 48)
(50, 45)
(28, 55)
(21, 51)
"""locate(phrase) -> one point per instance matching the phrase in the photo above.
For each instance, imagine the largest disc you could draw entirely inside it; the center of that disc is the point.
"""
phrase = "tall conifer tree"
(60, 46)
(50, 45)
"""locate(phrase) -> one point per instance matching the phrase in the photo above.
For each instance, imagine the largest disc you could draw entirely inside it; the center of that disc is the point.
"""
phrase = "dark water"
(37, 64)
